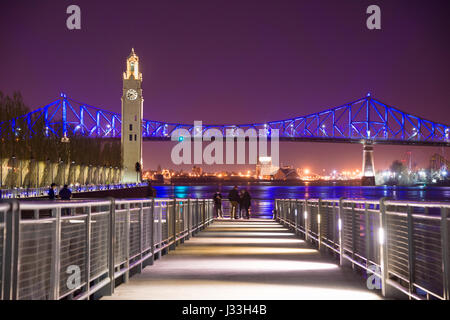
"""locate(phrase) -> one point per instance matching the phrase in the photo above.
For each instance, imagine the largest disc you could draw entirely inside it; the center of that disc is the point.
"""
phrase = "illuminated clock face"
(131, 94)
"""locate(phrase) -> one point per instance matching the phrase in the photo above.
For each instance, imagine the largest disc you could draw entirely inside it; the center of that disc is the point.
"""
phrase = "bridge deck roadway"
(245, 259)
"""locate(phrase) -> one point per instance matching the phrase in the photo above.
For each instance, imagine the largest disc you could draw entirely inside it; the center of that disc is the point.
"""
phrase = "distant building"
(286, 173)
(167, 175)
(197, 171)
(265, 169)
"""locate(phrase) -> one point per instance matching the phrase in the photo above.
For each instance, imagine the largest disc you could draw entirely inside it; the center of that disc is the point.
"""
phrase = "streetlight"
(72, 167)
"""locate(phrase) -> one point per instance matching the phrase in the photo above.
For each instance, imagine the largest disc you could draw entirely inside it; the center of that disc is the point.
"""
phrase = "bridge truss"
(366, 119)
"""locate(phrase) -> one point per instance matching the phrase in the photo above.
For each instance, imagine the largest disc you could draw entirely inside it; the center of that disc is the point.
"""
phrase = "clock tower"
(132, 104)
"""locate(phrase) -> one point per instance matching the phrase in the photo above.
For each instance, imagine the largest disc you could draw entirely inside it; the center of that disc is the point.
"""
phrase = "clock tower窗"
(132, 106)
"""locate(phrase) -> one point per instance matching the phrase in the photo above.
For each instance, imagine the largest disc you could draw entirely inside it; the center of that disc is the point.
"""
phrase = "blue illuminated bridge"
(366, 119)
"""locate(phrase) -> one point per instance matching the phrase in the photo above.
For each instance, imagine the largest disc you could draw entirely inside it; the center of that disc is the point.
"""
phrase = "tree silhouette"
(24, 147)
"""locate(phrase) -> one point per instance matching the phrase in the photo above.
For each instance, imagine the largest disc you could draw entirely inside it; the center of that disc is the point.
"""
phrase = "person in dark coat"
(51, 192)
(239, 212)
(218, 204)
(234, 198)
(65, 193)
(246, 202)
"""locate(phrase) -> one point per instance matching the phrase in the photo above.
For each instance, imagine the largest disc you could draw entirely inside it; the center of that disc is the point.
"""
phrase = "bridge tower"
(368, 168)
(132, 107)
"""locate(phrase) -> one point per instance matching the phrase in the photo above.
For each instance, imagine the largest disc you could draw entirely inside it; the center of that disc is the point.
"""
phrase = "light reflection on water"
(268, 193)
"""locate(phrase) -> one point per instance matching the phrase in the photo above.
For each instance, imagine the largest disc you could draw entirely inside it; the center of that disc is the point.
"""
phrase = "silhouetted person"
(51, 192)
(239, 213)
(65, 193)
(246, 202)
(234, 198)
(218, 204)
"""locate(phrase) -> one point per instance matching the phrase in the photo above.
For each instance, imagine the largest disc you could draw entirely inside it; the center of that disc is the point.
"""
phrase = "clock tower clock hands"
(131, 94)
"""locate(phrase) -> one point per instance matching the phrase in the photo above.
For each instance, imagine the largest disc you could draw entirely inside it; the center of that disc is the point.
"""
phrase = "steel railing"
(43, 191)
(82, 249)
(3, 210)
(404, 244)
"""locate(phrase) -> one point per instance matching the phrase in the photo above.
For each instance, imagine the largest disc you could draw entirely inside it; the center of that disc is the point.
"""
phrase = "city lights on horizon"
(305, 174)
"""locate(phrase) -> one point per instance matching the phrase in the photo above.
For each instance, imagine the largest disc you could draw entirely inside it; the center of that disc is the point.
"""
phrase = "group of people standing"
(240, 203)
(64, 193)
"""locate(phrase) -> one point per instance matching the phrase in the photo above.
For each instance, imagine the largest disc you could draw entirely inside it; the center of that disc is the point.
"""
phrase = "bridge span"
(175, 249)
(364, 119)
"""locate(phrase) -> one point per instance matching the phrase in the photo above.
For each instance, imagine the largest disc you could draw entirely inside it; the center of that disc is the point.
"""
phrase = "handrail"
(80, 249)
(405, 244)
(24, 193)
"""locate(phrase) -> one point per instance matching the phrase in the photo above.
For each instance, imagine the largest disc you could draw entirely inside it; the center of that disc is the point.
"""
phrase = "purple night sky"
(236, 62)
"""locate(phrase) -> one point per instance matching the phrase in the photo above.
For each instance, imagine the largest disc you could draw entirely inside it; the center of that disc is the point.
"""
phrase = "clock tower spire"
(132, 107)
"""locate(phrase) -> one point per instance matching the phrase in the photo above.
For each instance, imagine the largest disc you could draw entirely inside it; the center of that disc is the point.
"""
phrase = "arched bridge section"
(366, 119)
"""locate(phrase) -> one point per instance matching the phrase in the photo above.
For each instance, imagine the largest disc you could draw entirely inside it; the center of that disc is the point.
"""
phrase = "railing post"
(210, 211)
(160, 229)
(111, 245)
(289, 213)
(182, 221)
(88, 249)
(54, 278)
(174, 224)
(206, 212)
(152, 239)
(445, 253)
(367, 232)
(141, 233)
(279, 213)
(411, 258)
(194, 217)
(341, 231)
(12, 225)
(127, 241)
(319, 231)
(274, 212)
(382, 240)
(305, 217)
(203, 214)
(353, 234)
(188, 214)
(335, 217)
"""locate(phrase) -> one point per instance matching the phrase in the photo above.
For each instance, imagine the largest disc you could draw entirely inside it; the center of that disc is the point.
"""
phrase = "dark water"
(264, 195)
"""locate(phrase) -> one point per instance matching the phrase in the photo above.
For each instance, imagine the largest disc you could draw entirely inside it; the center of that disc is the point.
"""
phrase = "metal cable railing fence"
(404, 244)
(82, 249)
(3, 210)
